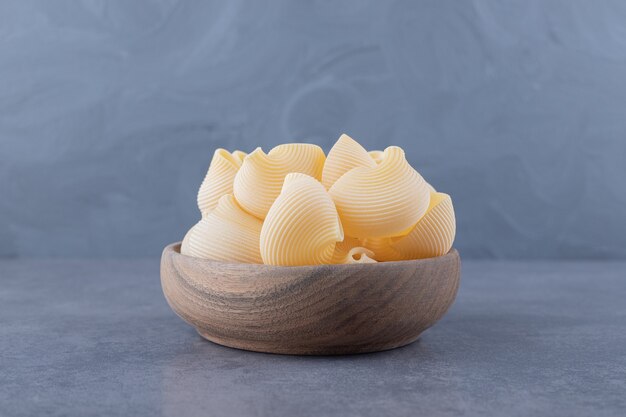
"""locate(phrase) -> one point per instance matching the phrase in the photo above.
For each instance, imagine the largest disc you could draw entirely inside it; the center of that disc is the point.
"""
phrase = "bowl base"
(289, 349)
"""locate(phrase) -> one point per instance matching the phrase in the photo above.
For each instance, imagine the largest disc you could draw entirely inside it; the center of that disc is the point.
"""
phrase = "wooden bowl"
(310, 310)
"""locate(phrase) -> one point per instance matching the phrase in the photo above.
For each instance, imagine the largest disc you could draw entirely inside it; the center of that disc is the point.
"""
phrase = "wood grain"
(310, 310)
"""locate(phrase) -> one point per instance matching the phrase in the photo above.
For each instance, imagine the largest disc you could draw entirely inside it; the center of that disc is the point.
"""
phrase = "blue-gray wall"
(110, 111)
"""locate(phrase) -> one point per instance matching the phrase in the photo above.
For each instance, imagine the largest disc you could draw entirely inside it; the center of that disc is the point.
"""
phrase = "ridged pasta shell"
(226, 234)
(383, 201)
(377, 156)
(219, 179)
(433, 234)
(345, 154)
(261, 176)
(302, 226)
(349, 252)
(381, 246)
(240, 155)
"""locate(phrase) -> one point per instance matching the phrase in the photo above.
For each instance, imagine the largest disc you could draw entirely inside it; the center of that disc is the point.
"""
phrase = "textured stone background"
(110, 111)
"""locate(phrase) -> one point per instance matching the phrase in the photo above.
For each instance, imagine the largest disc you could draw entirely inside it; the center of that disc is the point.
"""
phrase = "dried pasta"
(381, 246)
(295, 206)
(433, 235)
(344, 155)
(377, 156)
(226, 234)
(349, 252)
(383, 201)
(240, 155)
(261, 176)
(219, 179)
(302, 226)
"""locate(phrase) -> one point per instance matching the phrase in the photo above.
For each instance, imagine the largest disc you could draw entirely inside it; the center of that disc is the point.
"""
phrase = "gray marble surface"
(81, 338)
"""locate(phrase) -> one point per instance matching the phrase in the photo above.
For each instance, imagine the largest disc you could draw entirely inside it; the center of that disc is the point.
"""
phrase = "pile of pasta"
(297, 206)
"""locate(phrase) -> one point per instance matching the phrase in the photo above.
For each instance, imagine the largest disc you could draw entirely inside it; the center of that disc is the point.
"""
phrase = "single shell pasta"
(302, 226)
(219, 179)
(377, 156)
(226, 234)
(343, 156)
(359, 255)
(383, 201)
(381, 246)
(260, 178)
(433, 234)
(240, 155)
(349, 252)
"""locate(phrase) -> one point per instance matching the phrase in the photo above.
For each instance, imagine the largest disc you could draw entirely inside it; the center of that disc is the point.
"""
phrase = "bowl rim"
(173, 249)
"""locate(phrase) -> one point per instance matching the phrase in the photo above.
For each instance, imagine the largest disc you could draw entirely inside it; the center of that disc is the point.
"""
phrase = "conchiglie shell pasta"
(344, 155)
(383, 201)
(226, 234)
(219, 179)
(349, 252)
(240, 155)
(302, 226)
(377, 156)
(433, 235)
(261, 176)
(359, 255)
(383, 252)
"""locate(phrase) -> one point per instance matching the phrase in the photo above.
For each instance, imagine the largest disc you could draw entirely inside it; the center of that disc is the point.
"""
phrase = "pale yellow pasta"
(377, 156)
(302, 226)
(349, 252)
(219, 179)
(240, 155)
(345, 154)
(342, 248)
(383, 201)
(226, 234)
(261, 176)
(433, 234)
(295, 206)
(381, 246)
(359, 255)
